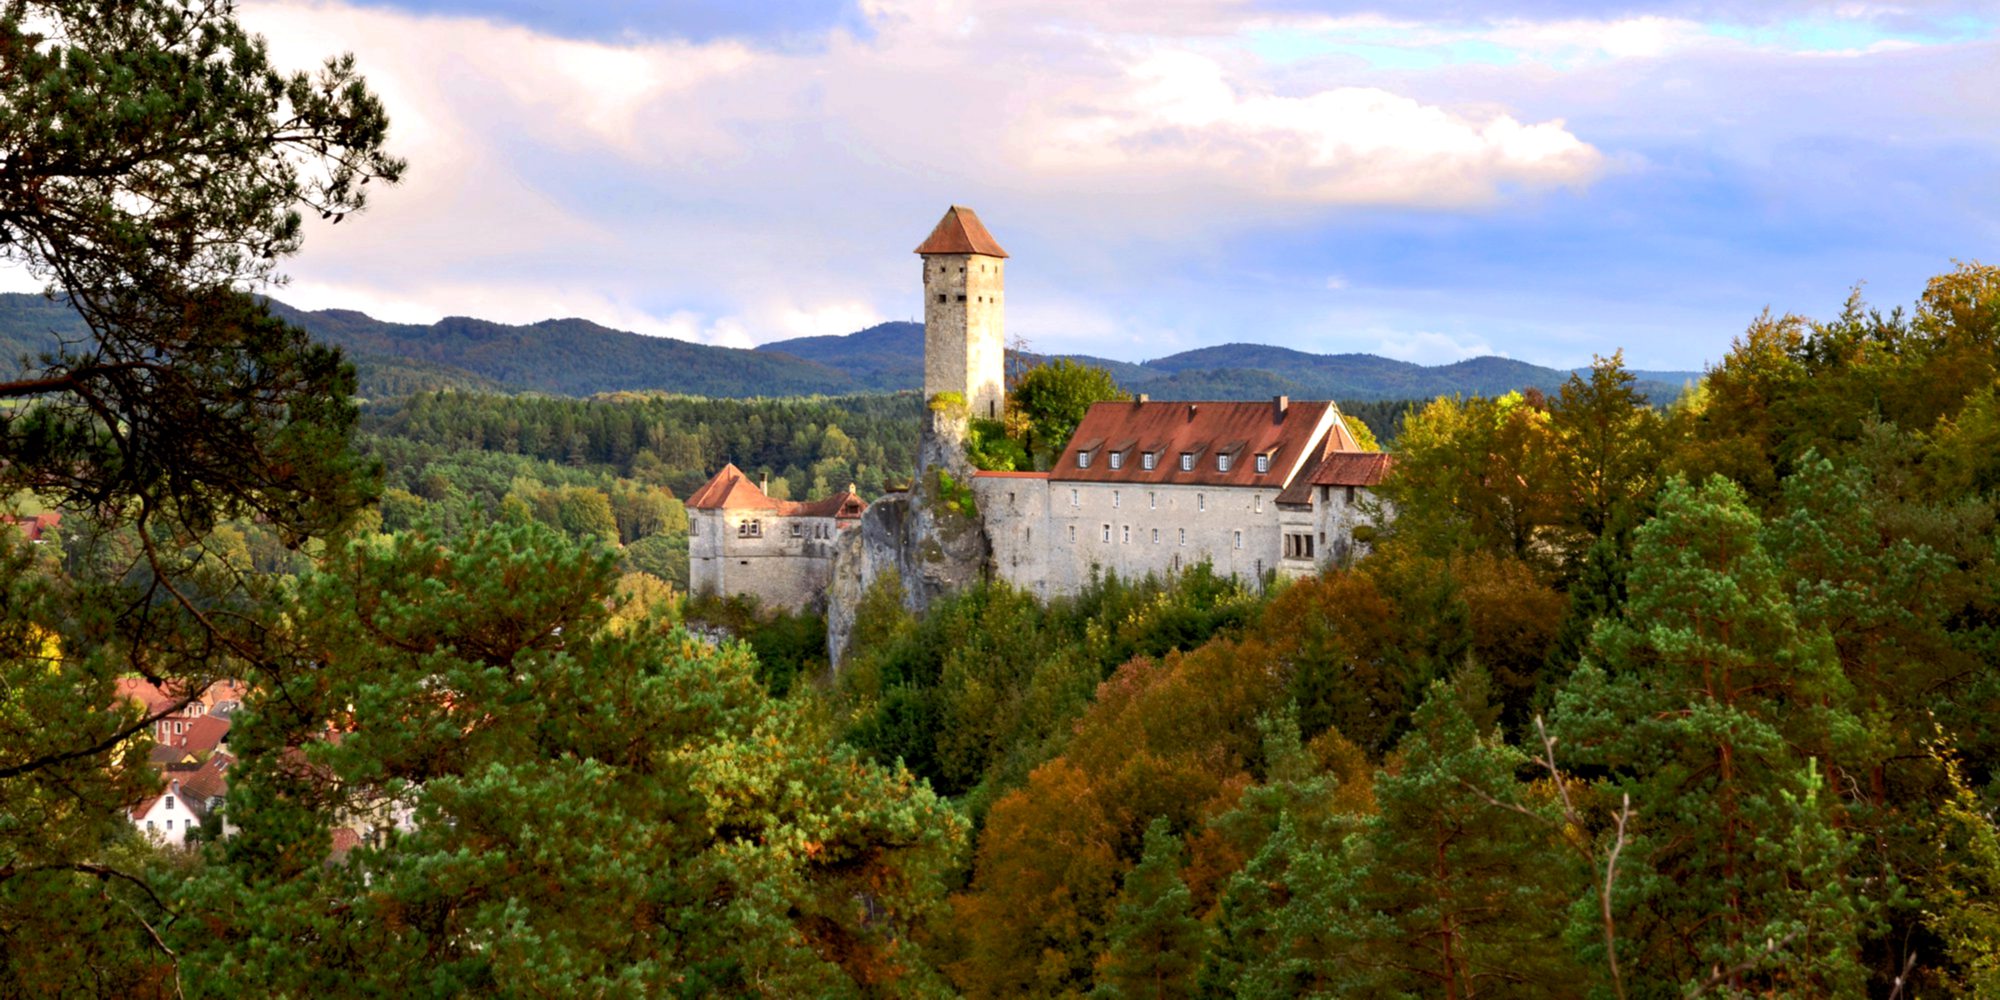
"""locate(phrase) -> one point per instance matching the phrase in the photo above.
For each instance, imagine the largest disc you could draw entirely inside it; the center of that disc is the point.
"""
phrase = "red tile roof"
(146, 693)
(1294, 435)
(1342, 468)
(731, 489)
(204, 734)
(961, 232)
(32, 526)
(990, 474)
(211, 779)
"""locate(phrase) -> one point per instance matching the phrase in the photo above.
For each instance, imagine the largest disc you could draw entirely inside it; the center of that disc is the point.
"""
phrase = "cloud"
(776, 188)
(1166, 172)
(1428, 348)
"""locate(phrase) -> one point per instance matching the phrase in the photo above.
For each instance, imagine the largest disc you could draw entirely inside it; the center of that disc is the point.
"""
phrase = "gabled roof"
(209, 780)
(1294, 435)
(730, 489)
(205, 734)
(960, 231)
(844, 504)
(1342, 468)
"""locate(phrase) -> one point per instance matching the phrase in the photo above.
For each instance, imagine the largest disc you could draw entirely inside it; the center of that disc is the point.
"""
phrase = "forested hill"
(575, 357)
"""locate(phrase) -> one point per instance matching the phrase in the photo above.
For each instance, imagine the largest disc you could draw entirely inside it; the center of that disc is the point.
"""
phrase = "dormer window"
(1146, 461)
(1187, 461)
(1222, 463)
(1117, 459)
(1083, 460)
(1263, 464)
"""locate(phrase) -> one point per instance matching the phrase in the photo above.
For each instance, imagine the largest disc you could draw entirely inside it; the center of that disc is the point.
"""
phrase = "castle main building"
(1142, 487)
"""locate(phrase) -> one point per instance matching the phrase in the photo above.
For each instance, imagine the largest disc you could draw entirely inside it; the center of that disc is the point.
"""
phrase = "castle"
(1142, 487)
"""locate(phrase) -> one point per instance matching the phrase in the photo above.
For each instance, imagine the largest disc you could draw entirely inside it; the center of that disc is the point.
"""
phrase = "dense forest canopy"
(1622, 701)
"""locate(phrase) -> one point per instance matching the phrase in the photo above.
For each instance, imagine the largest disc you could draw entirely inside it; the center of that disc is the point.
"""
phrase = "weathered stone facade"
(965, 329)
(743, 542)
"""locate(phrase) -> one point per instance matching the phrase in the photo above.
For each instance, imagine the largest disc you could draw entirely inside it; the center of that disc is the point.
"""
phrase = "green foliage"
(590, 809)
(1050, 399)
(1155, 944)
(987, 446)
(1711, 707)
(955, 496)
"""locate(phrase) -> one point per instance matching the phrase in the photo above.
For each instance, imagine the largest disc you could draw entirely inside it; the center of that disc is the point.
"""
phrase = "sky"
(1429, 180)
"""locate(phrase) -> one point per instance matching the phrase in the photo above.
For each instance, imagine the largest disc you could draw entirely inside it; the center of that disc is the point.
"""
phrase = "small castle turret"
(965, 332)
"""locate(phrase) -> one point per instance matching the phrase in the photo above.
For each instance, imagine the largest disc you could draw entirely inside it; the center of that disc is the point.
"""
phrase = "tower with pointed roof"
(965, 333)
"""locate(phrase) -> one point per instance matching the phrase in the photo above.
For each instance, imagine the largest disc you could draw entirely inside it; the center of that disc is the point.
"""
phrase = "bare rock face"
(932, 538)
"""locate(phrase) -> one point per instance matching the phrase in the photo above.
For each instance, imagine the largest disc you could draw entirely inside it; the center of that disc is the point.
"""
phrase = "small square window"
(1263, 464)
(1083, 460)
(940, 296)
(1187, 461)
(1222, 463)
(1117, 459)
(1146, 461)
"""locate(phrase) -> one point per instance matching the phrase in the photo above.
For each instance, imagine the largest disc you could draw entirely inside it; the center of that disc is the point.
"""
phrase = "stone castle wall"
(787, 563)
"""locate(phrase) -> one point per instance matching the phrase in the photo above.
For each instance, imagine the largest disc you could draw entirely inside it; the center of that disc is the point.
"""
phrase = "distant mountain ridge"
(575, 357)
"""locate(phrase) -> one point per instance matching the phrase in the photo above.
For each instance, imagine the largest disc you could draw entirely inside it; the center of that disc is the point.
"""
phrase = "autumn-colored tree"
(1478, 473)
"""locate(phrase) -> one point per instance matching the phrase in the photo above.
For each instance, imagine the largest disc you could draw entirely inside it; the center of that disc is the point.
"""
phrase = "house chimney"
(1191, 408)
(763, 482)
(1282, 403)
(1143, 398)
(851, 489)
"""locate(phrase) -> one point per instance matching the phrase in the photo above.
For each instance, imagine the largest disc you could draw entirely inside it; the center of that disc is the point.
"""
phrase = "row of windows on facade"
(961, 298)
(755, 529)
(1152, 500)
(1148, 459)
(1126, 536)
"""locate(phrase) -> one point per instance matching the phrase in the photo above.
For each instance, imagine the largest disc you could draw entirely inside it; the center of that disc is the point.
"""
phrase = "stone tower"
(965, 333)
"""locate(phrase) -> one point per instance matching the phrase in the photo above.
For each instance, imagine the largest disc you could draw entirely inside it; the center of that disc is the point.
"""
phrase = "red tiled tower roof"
(960, 231)
(730, 489)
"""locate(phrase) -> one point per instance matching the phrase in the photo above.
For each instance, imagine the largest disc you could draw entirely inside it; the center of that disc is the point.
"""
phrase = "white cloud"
(1429, 348)
(774, 193)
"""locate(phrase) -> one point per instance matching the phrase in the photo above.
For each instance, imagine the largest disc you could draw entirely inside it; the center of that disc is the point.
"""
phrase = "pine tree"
(1701, 702)
(1156, 944)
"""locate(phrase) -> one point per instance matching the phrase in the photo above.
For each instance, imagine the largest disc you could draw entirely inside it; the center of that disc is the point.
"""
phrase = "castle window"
(798, 531)
(1117, 459)
(1239, 539)
(1074, 500)
(1114, 497)
(1200, 502)
(1152, 501)
(1350, 496)
(961, 296)
(940, 296)
(1156, 536)
(1107, 532)
(1260, 504)
(1183, 536)
(1146, 461)
(1125, 536)
(1263, 464)
(1072, 534)
(1222, 463)
(1187, 461)
(1083, 460)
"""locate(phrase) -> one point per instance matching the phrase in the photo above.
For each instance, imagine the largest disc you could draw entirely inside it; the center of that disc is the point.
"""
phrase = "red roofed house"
(741, 541)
